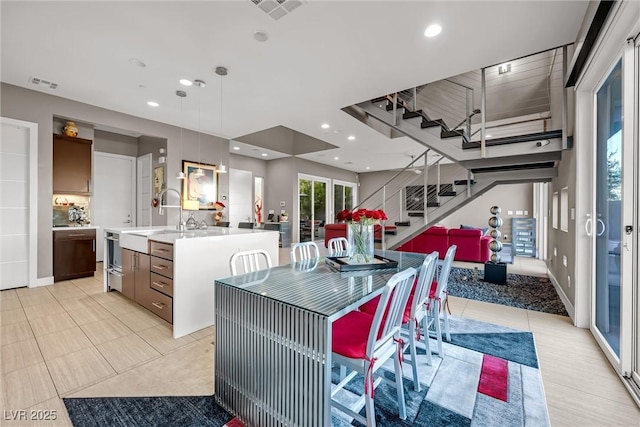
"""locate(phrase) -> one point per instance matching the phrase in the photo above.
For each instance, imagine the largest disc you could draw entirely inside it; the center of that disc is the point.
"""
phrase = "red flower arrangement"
(362, 216)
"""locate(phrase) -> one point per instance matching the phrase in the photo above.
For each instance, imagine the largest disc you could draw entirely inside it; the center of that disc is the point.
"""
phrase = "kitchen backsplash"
(70, 210)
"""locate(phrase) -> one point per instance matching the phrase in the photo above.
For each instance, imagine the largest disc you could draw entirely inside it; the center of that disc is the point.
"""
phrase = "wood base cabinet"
(74, 254)
(136, 275)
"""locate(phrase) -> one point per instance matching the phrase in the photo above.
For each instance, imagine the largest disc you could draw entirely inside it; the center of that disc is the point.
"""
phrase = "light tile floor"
(72, 340)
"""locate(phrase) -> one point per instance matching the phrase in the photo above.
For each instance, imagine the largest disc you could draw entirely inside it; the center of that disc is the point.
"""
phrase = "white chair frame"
(378, 351)
(304, 251)
(419, 314)
(436, 305)
(338, 246)
(250, 261)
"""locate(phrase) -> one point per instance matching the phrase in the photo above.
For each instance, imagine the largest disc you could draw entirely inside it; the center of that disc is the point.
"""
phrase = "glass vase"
(360, 237)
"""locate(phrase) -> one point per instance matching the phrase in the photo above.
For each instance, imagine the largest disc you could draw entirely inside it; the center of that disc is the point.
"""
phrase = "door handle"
(604, 227)
(587, 225)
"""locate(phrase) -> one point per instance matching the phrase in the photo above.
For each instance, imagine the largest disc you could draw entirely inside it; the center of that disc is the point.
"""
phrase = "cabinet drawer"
(80, 234)
(162, 250)
(162, 284)
(159, 304)
(162, 266)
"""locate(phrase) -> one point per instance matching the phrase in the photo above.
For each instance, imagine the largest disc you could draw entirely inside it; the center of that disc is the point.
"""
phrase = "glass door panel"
(607, 224)
(312, 196)
(343, 197)
(305, 196)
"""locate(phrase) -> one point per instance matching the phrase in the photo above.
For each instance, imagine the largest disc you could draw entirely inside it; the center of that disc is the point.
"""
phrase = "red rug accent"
(494, 377)
(234, 423)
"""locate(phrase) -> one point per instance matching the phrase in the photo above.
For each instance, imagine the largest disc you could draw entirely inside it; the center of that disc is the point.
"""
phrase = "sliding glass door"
(344, 196)
(608, 215)
(313, 196)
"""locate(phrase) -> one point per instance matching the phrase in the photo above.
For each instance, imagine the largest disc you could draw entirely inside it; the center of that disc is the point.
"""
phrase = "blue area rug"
(449, 395)
(528, 292)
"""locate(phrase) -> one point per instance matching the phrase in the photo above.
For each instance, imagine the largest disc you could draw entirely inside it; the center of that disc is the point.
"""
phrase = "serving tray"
(342, 263)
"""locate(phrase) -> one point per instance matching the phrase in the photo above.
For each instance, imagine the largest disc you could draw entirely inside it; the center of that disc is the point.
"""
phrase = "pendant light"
(182, 94)
(199, 83)
(221, 71)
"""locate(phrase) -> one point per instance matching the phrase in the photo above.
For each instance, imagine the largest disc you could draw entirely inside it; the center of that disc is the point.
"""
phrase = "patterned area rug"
(488, 376)
(529, 292)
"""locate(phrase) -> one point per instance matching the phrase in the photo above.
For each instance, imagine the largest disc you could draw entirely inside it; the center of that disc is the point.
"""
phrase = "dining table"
(273, 337)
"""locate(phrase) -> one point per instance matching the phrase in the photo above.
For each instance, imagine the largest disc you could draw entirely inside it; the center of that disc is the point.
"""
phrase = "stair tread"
(448, 194)
(403, 223)
(418, 214)
(463, 182)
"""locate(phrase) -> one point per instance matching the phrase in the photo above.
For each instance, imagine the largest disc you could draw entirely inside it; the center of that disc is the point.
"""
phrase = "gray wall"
(41, 108)
(564, 242)
(113, 143)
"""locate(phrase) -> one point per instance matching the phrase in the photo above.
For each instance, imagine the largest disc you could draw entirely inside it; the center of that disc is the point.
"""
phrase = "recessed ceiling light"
(186, 82)
(236, 148)
(264, 154)
(153, 104)
(432, 30)
(367, 168)
(325, 126)
(336, 158)
(351, 138)
(137, 62)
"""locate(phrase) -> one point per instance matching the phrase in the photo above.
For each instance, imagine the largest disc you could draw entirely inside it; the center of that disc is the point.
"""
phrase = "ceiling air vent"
(277, 8)
(43, 83)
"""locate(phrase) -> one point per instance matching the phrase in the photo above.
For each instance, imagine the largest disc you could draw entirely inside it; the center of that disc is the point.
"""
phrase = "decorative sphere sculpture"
(495, 222)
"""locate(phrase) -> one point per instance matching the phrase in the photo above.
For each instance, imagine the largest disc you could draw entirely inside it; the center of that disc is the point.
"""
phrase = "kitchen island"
(172, 273)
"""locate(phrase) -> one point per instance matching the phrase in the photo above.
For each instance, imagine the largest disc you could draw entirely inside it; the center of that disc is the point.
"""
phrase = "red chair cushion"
(350, 334)
(433, 288)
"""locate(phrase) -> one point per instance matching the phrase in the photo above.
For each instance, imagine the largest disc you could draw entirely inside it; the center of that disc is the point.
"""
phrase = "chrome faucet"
(182, 225)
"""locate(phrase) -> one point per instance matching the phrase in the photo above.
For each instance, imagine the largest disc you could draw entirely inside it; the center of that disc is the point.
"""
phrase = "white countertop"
(80, 227)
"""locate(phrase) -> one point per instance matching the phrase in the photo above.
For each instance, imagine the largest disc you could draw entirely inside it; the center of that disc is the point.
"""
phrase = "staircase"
(528, 156)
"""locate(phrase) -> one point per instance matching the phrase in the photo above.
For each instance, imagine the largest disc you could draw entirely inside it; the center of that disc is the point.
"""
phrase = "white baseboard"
(563, 297)
(43, 281)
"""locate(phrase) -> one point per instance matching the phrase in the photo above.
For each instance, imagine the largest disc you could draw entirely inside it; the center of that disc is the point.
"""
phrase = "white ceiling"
(323, 56)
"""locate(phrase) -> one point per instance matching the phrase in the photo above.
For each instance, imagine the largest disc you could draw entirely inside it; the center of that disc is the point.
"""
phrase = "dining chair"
(252, 260)
(415, 313)
(304, 251)
(438, 299)
(363, 343)
(338, 246)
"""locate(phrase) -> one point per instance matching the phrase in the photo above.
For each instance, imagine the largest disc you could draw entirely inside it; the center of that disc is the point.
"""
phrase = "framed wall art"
(203, 188)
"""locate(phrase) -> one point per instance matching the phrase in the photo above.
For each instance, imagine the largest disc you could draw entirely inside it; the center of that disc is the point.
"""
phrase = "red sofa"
(471, 244)
(340, 230)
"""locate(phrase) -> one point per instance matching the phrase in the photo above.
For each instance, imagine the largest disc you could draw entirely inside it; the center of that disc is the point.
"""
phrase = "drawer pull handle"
(159, 305)
(160, 284)
(77, 235)
(160, 267)
(162, 250)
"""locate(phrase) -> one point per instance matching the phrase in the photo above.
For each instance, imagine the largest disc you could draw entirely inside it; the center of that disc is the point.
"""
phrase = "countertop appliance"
(113, 261)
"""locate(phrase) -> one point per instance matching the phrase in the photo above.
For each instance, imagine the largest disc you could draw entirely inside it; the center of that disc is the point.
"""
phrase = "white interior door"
(144, 189)
(18, 203)
(114, 194)
(240, 208)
